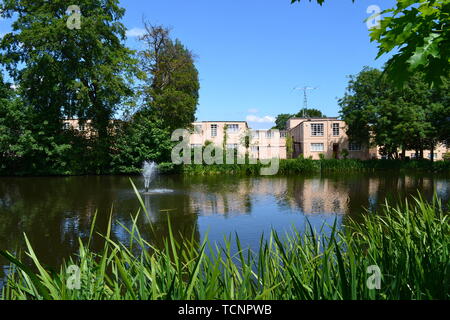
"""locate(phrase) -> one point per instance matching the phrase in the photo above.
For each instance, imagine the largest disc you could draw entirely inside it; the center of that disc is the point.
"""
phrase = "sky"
(251, 54)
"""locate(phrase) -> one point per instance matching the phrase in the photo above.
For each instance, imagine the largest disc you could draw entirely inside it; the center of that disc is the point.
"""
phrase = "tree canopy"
(171, 89)
(418, 31)
(414, 117)
(61, 72)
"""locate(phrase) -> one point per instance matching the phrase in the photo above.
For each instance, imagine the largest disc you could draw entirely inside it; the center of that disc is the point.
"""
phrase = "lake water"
(54, 212)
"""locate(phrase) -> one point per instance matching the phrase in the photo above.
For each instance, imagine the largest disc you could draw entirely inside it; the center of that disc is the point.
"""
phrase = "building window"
(435, 155)
(232, 146)
(318, 147)
(269, 134)
(66, 126)
(283, 134)
(353, 146)
(255, 134)
(317, 129)
(233, 128)
(336, 129)
(198, 129)
(214, 130)
(413, 155)
(81, 127)
(255, 149)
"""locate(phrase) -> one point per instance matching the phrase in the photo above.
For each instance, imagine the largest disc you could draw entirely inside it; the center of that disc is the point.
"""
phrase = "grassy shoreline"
(287, 166)
(410, 245)
(299, 166)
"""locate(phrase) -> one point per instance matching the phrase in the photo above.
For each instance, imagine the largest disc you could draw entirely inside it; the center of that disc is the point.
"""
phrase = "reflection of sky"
(442, 189)
(265, 216)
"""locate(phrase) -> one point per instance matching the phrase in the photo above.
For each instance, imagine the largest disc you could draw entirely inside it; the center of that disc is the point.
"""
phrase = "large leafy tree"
(408, 118)
(419, 32)
(63, 72)
(171, 89)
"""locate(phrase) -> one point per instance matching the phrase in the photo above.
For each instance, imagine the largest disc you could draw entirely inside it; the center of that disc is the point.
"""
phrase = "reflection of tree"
(53, 212)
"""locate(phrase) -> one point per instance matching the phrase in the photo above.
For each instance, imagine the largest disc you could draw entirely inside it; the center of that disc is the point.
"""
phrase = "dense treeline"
(414, 116)
(50, 72)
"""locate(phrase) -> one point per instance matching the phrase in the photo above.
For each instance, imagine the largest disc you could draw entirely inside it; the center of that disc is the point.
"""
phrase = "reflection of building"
(236, 198)
(319, 196)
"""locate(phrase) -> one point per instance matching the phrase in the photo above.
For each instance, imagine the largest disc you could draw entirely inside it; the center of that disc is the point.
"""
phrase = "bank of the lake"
(286, 167)
(302, 166)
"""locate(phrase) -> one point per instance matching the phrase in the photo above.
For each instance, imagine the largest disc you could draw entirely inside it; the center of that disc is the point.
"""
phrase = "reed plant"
(409, 244)
(301, 166)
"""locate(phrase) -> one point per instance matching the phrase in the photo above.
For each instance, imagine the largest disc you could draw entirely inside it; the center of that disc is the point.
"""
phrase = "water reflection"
(54, 212)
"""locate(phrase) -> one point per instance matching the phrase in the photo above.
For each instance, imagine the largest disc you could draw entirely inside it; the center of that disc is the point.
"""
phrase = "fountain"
(148, 171)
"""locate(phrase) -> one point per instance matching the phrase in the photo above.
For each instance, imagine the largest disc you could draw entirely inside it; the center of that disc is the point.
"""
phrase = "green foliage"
(289, 146)
(310, 113)
(141, 139)
(447, 156)
(83, 73)
(414, 117)
(171, 89)
(410, 245)
(281, 120)
(419, 32)
(301, 166)
(345, 153)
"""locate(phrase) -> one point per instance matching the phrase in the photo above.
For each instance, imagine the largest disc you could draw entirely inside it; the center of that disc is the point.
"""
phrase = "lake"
(55, 211)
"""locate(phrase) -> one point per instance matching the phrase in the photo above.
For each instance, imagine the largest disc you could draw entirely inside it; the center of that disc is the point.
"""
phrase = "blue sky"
(252, 53)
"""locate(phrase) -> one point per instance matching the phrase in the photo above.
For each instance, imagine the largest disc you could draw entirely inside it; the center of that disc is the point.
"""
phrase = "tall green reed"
(410, 244)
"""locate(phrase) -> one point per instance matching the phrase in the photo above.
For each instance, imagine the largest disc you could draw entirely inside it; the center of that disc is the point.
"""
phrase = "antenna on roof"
(305, 90)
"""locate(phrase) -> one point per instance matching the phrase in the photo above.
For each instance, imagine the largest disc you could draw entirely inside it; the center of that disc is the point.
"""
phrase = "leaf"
(421, 54)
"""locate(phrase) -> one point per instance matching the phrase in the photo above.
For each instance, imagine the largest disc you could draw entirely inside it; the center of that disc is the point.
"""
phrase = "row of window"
(320, 147)
(234, 128)
(68, 126)
(233, 146)
(317, 129)
(435, 155)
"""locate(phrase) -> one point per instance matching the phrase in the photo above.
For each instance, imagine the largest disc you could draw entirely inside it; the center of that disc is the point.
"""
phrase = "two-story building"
(262, 144)
(327, 136)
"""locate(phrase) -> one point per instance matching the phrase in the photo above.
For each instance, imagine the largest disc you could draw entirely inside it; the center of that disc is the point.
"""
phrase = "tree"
(419, 31)
(393, 118)
(310, 113)
(171, 79)
(84, 73)
(140, 139)
(281, 121)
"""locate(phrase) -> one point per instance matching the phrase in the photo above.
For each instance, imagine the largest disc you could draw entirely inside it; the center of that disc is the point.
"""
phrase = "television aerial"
(305, 90)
